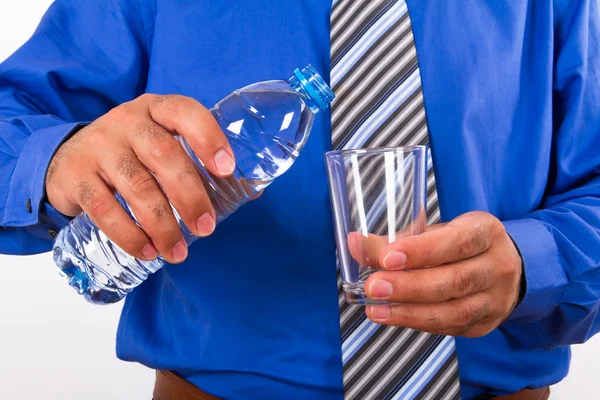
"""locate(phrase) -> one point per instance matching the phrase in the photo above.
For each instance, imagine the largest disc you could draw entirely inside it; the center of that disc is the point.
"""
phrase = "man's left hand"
(460, 279)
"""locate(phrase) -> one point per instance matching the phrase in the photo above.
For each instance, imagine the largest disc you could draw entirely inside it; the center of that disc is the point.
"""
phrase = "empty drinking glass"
(378, 195)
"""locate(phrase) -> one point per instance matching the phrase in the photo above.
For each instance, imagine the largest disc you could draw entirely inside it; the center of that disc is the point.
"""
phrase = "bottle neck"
(306, 97)
(313, 89)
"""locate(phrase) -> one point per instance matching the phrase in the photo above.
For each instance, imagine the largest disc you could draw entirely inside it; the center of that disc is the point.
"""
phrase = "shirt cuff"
(27, 185)
(546, 279)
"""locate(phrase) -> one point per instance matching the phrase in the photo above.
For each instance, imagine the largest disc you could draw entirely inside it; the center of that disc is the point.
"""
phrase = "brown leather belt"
(170, 386)
(527, 394)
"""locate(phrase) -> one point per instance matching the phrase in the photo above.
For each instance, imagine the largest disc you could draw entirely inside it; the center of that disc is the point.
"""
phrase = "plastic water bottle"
(267, 124)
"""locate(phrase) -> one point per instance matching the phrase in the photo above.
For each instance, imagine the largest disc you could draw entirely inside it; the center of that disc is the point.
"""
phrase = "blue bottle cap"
(315, 86)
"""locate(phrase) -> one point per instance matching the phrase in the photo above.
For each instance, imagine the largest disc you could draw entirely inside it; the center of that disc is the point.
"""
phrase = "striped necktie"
(379, 103)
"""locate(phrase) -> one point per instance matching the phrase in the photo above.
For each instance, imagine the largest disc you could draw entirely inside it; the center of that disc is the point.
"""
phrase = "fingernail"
(379, 312)
(205, 225)
(394, 260)
(380, 289)
(179, 251)
(149, 252)
(352, 241)
(224, 162)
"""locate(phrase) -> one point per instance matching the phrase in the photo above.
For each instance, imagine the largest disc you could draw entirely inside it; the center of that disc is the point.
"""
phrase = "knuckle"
(465, 245)
(482, 277)
(462, 282)
(96, 137)
(461, 331)
(165, 150)
(174, 103)
(146, 128)
(471, 313)
(481, 311)
(206, 141)
(481, 237)
(128, 166)
(184, 102)
(159, 210)
(440, 290)
(433, 324)
(85, 193)
(147, 97)
(474, 241)
(463, 317)
(100, 207)
(157, 100)
(187, 172)
(92, 130)
(142, 184)
(119, 113)
(496, 227)
(510, 266)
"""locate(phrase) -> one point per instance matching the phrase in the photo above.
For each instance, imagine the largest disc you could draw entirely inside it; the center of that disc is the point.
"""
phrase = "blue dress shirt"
(512, 92)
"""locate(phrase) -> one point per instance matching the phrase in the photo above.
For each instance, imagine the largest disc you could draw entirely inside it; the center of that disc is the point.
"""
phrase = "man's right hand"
(116, 154)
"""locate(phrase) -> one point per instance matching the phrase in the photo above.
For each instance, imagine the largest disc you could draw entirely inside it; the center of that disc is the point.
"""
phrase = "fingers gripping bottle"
(267, 124)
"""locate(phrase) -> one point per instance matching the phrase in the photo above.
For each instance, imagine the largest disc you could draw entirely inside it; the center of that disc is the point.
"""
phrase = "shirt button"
(52, 232)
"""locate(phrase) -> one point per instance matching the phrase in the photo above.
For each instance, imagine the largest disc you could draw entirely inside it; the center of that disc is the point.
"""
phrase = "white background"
(53, 345)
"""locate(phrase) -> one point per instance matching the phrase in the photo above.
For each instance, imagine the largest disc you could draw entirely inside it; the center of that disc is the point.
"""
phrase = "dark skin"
(129, 150)
(461, 279)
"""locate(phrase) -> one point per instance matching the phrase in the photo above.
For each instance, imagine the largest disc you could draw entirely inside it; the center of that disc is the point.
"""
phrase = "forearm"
(69, 73)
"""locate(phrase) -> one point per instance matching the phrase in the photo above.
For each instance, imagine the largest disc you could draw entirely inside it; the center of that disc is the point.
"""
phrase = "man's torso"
(253, 312)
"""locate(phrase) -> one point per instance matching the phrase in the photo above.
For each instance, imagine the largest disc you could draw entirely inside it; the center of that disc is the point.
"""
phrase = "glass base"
(355, 294)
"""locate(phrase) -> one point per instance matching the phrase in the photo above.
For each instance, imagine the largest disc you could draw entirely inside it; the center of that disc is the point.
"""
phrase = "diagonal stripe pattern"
(379, 103)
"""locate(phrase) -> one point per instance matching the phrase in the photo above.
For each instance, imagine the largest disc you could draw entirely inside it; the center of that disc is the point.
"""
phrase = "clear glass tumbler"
(378, 195)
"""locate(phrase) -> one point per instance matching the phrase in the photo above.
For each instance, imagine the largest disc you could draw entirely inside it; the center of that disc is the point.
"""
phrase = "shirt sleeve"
(86, 57)
(560, 243)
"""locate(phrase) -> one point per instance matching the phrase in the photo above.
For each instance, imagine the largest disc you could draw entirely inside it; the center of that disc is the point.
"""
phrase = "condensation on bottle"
(267, 124)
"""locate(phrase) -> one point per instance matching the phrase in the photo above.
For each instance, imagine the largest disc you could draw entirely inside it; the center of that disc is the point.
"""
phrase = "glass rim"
(375, 150)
